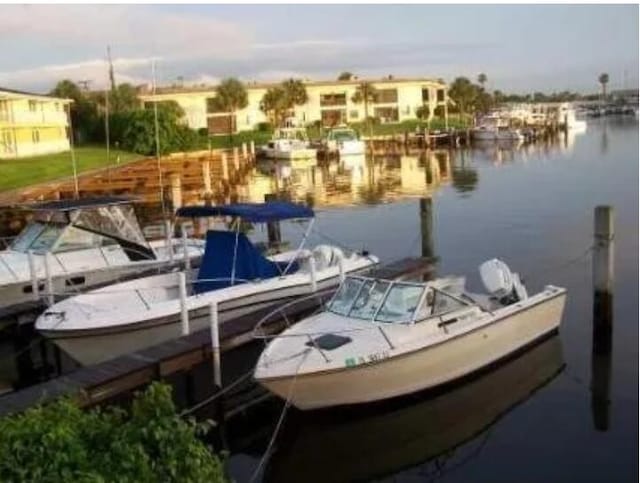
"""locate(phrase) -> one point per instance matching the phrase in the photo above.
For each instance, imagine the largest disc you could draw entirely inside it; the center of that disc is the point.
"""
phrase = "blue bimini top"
(253, 212)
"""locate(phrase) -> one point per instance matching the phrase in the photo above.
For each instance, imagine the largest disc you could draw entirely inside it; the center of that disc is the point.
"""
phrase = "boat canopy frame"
(267, 212)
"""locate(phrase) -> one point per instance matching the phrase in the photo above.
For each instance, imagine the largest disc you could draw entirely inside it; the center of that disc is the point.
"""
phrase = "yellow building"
(330, 102)
(32, 124)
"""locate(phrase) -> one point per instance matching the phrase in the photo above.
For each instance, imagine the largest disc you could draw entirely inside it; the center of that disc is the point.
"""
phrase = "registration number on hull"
(367, 359)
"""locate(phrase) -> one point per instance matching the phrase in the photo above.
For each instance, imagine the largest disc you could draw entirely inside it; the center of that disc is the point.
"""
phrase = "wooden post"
(426, 227)
(244, 151)
(33, 272)
(215, 345)
(225, 165)
(603, 281)
(236, 159)
(273, 227)
(603, 250)
(176, 191)
(206, 177)
(184, 312)
(252, 148)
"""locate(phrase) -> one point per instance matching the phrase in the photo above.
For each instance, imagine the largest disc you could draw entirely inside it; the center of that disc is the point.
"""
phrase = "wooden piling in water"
(176, 191)
(603, 282)
(225, 166)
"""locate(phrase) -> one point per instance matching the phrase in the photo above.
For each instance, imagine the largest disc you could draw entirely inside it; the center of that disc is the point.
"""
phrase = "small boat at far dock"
(343, 141)
(289, 143)
(380, 339)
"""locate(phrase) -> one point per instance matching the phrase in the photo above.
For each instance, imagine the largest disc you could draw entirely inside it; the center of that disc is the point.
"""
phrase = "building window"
(425, 95)
(32, 106)
(386, 96)
(35, 136)
(333, 117)
(354, 114)
(333, 100)
(6, 146)
(386, 114)
(440, 95)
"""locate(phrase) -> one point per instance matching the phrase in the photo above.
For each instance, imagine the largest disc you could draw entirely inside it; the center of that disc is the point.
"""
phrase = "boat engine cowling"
(501, 282)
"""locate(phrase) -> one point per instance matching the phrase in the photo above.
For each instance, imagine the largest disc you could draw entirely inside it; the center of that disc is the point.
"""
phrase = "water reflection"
(424, 434)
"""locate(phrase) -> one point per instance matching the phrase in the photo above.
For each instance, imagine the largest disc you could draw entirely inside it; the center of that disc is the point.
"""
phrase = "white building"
(329, 102)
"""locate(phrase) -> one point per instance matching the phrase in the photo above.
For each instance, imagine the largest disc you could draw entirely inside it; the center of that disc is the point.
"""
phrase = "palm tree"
(295, 93)
(231, 96)
(365, 93)
(274, 104)
(482, 79)
(603, 79)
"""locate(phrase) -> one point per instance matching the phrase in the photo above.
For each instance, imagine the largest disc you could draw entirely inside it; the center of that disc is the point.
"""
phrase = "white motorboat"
(82, 244)
(496, 133)
(379, 339)
(126, 317)
(344, 141)
(289, 144)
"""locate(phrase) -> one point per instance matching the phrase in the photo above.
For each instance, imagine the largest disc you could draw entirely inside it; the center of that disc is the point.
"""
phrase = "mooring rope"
(285, 408)
(216, 395)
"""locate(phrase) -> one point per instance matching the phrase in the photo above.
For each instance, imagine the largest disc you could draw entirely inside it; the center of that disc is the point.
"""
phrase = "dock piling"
(252, 148)
(215, 345)
(225, 165)
(603, 279)
(184, 313)
(244, 151)
(176, 191)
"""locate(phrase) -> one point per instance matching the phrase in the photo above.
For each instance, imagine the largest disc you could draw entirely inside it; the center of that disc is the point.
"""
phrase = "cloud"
(129, 28)
(96, 71)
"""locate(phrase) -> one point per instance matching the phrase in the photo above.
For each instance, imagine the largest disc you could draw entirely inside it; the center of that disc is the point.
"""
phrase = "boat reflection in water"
(371, 442)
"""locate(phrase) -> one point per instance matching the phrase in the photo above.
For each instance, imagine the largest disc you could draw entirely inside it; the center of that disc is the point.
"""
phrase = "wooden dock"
(117, 378)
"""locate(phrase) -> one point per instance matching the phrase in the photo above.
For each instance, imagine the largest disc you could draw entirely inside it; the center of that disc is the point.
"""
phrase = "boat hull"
(422, 369)
(92, 346)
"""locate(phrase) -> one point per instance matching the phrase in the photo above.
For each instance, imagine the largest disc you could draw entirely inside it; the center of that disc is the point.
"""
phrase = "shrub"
(148, 443)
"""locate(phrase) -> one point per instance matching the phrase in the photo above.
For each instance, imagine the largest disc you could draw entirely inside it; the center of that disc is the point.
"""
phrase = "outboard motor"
(501, 282)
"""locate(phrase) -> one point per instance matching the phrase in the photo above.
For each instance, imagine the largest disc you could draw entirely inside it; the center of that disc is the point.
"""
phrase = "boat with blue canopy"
(234, 273)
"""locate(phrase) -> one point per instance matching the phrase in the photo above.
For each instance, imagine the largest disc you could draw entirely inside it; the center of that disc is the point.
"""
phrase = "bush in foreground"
(148, 443)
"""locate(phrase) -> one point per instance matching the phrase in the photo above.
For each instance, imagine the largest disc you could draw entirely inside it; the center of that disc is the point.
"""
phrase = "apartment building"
(329, 102)
(32, 124)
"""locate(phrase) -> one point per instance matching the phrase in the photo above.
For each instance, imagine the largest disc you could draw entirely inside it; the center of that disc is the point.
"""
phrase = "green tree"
(366, 94)
(345, 76)
(463, 93)
(482, 79)
(83, 110)
(231, 96)
(148, 443)
(278, 101)
(124, 98)
(273, 104)
(603, 79)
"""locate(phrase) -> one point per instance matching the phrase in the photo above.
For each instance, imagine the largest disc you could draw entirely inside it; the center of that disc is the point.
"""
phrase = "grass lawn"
(17, 173)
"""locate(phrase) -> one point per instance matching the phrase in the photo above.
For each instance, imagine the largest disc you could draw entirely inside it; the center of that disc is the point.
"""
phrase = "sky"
(521, 48)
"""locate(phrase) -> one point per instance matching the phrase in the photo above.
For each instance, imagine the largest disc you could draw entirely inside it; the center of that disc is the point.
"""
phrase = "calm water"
(532, 419)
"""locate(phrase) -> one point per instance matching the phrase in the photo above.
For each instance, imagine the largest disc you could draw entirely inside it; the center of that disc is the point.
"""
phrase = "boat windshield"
(38, 236)
(390, 302)
(379, 300)
(343, 135)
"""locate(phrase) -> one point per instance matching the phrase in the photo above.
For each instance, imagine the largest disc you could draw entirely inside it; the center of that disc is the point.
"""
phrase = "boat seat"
(217, 263)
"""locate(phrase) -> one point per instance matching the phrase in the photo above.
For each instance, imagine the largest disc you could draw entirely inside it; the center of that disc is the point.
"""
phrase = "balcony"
(31, 118)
